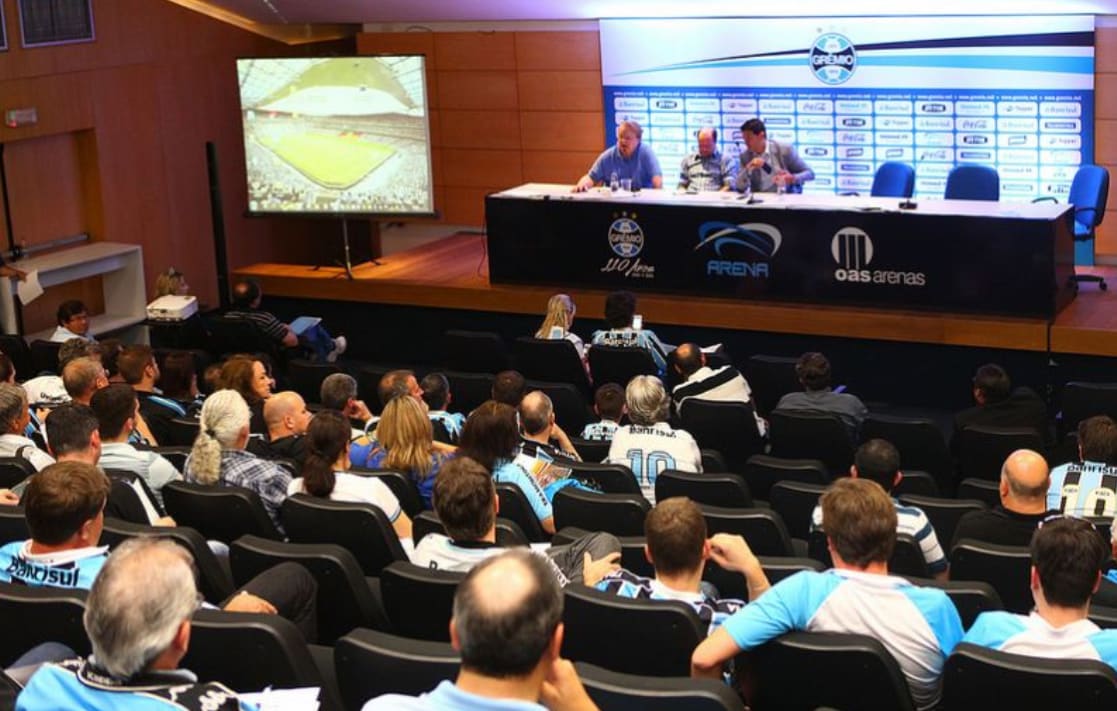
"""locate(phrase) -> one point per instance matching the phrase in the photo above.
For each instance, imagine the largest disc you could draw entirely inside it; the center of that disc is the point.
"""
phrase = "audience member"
(325, 472)
(178, 379)
(649, 445)
(676, 545)
(1068, 557)
(398, 382)
(110, 351)
(918, 626)
(507, 626)
(1023, 491)
(82, 377)
(557, 324)
(722, 384)
(437, 396)
(14, 418)
(628, 160)
(608, 404)
(813, 371)
(540, 431)
(219, 457)
(339, 393)
(707, 168)
(620, 311)
(247, 296)
(490, 437)
(509, 388)
(138, 368)
(116, 407)
(998, 405)
(287, 419)
(249, 377)
(1088, 487)
(49, 390)
(7, 370)
(878, 460)
(73, 322)
(171, 283)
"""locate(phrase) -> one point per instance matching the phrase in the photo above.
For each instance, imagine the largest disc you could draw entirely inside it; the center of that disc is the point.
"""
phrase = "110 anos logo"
(626, 239)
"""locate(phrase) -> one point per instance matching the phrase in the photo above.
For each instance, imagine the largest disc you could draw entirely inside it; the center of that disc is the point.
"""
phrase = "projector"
(172, 308)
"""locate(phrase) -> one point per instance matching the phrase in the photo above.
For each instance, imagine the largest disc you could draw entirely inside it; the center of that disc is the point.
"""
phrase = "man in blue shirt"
(1068, 556)
(630, 160)
(919, 626)
(1088, 487)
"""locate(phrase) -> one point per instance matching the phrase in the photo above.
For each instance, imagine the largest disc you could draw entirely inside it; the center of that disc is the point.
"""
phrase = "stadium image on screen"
(339, 135)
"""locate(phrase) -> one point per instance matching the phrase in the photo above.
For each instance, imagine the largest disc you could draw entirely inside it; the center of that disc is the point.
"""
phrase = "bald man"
(701, 382)
(1025, 478)
(287, 418)
(707, 169)
(82, 377)
(507, 626)
(540, 432)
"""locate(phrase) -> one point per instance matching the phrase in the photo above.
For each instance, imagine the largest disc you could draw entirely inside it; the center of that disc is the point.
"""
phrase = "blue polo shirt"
(640, 167)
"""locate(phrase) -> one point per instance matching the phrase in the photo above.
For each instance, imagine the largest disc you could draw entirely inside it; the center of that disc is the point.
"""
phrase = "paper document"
(304, 699)
(29, 289)
(302, 323)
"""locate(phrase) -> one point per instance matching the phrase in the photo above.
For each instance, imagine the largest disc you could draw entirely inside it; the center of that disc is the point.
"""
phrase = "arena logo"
(763, 239)
(852, 249)
(833, 58)
(626, 239)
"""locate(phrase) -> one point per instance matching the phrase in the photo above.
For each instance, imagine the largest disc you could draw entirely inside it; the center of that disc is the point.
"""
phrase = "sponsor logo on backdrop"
(626, 239)
(833, 58)
(853, 252)
(729, 240)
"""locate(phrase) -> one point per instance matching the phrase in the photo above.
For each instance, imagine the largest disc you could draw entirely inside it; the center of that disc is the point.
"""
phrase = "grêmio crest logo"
(832, 58)
(730, 242)
(626, 239)
(852, 249)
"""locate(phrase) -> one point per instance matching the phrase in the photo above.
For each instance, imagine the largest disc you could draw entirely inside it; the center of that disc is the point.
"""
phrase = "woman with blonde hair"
(404, 441)
(557, 323)
(219, 457)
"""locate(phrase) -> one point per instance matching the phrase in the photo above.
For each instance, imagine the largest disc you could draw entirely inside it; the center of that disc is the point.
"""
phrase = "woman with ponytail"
(325, 472)
(557, 322)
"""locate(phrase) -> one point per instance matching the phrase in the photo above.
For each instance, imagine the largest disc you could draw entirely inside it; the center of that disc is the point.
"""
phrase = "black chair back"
(628, 692)
(921, 444)
(1082, 400)
(419, 601)
(475, 351)
(214, 581)
(591, 450)
(551, 360)
(404, 489)
(572, 410)
(916, 482)
(370, 663)
(508, 533)
(175, 455)
(795, 501)
(983, 490)
(970, 597)
(618, 364)
(469, 390)
(907, 557)
(237, 335)
(13, 470)
(1006, 568)
(305, 377)
(728, 427)
(762, 471)
(15, 347)
(362, 529)
(944, 514)
(608, 478)
(713, 462)
(44, 615)
(771, 377)
(811, 435)
(13, 525)
(44, 357)
(223, 513)
(762, 528)
(983, 450)
(619, 514)
(181, 432)
(514, 506)
(714, 489)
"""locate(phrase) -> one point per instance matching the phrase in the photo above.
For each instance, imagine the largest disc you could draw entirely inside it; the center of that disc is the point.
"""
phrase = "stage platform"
(453, 273)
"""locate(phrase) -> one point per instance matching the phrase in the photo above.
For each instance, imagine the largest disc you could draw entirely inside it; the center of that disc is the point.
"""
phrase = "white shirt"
(11, 444)
(357, 489)
(46, 389)
(649, 450)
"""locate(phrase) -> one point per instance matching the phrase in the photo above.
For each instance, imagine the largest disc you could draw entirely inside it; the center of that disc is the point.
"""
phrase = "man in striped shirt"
(246, 305)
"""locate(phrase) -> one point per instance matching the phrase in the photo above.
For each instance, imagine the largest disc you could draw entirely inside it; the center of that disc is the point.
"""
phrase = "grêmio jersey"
(649, 450)
(1086, 489)
(75, 569)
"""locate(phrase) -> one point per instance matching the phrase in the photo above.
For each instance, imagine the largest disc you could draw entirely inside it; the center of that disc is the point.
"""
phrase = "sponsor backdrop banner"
(1015, 93)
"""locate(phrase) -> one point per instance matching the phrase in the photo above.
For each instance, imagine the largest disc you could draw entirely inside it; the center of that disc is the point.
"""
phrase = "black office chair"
(652, 637)
(982, 450)
(763, 471)
(618, 364)
(628, 692)
(419, 601)
(401, 485)
(362, 529)
(44, 357)
(515, 507)
(607, 478)
(572, 410)
(475, 351)
(728, 427)
(713, 462)
(984, 490)
(13, 346)
(811, 670)
(973, 182)
(619, 514)
(714, 489)
(1006, 568)
(469, 390)
(370, 663)
(13, 525)
(944, 514)
(222, 513)
(591, 450)
(762, 528)
(970, 597)
(551, 360)
(44, 614)
(917, 483)
(771, 377)
(920, 442)
(181, 432)
(810, 435)
(306, 377)
(976, 677)
(13, 470)
(795, 502)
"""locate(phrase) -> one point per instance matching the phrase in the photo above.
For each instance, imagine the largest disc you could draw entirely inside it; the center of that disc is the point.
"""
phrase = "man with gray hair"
(138, 621)
(540, 432)
(49, 389)
(14, 418)
(82, 377)
(707, 169)
(630, 160)
(339, 392)
(649, 445)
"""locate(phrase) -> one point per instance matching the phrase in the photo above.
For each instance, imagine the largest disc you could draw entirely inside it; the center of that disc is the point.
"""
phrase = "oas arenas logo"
(626, 239)
(729, 240)
(852, 250)
(833, 58)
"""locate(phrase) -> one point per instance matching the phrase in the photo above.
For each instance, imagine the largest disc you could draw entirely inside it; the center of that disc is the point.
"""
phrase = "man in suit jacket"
(767, 165)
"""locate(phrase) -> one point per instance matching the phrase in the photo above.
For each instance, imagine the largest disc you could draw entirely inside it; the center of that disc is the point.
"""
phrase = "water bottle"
(614, 182)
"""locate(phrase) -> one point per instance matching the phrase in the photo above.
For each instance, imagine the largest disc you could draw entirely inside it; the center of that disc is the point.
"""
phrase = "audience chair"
(973, 182)
(650, 637)
(552, 360)
(893, 179)
(770, 378)
(982, 450)
(764, 529)
(1089, 193)
(1082, 400)
(44, 358)
(977, 677)
(1006, 568)
(13, 525)
(907, 557)
(13, 346)
(44, 614)
(405, 490)
(362, 529)
(222, 513)
(921, 444)
(619, 514)
(345, 597)
(728, 427)
(713, 489)
(371, 663)
(944, 514)
(182, 432)
(732, 584)
(713, 462)
(508, 533)
(425, 524)
(214, 581)
(795, 501)
(970, 597)
(776, 568)
(236, 335)
(983, 490)
(130, 498)
(368, 380)
(13, 470)
(1104, 617)
(572, 412)
(762, 471)
(175, 455)
(591, 450)
(808, 435)
(628, 692)
(306, 377)
(469, 390)
(918, 483)
(811, 670)
(419, 601)
(608, 478)
(619, 364)
(475, 351)
(515, 507)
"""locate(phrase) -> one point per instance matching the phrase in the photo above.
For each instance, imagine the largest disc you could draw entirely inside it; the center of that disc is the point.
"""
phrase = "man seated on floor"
(1068, 557)
(116, 407)
(540, 432)
(878, 460)
(82, 377)
(507, 626)
(608, 404)
(139, 369)
(918, 626)
(1023, 491)
(722, 384)
(247, 296)
(1088, 487)
(467, 505)
(65, 509)
(813, 371)
(287, 418)
(676, 545)
(999, 405)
